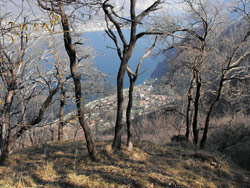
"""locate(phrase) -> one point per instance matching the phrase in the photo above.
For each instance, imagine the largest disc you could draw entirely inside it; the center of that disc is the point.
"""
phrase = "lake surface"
(108, 60)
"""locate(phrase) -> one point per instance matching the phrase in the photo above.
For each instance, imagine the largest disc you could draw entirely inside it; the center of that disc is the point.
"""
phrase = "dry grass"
(67, 165)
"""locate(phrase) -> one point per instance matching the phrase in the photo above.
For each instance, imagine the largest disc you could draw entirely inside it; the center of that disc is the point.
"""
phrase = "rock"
(179, 139)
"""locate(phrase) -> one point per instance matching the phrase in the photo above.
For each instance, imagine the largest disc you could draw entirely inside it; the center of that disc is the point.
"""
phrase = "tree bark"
(188, 116)
(128, 113)
(5, 152)
(61, 113)
(120, 98)
(196, 110)
(5, 121)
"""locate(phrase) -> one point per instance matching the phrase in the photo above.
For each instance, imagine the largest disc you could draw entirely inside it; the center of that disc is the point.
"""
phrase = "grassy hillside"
(67, 165)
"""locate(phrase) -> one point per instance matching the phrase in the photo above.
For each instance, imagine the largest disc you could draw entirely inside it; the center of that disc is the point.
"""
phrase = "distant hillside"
(67, 165)
(159, 70)
(162, 65)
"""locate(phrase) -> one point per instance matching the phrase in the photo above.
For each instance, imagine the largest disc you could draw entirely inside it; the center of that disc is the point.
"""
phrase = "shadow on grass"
(68, 165)
(60, 182)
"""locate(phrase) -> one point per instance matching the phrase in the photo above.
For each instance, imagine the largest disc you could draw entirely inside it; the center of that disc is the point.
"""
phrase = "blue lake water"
(108, 60)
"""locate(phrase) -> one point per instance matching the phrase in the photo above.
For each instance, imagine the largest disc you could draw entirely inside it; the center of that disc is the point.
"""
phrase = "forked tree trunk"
(125, 54)
(120, 98)
(132, 79)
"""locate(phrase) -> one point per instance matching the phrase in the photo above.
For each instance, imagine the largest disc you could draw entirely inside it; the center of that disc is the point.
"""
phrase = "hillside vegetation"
(66, 164)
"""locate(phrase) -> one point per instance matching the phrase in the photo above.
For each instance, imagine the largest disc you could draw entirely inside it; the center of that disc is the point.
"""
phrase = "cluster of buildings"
(102, 112)
(146, 99)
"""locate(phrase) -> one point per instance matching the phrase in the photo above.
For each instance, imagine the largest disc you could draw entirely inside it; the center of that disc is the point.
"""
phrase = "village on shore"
(147, 98)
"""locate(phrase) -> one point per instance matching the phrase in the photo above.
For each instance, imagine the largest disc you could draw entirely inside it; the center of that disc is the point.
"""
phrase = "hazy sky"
(15, 6)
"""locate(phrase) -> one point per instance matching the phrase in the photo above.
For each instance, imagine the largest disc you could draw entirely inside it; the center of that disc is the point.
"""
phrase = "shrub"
(233, 139)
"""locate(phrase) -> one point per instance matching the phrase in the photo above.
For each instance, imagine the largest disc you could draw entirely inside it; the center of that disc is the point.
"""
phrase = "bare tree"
(211, 55)
(21, 83)
(115, 21)
(58, 7)
(132, 79)
(195, 35)
(235, 65)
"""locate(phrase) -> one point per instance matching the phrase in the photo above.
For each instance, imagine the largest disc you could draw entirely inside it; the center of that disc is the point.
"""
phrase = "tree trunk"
(119, 116)
(70, 48)
(6, 144)
(61, 114)
(196, 110)
(120, 79)
(5, 131)
(5, 153)
(3, 142)
(188, 116)
(128, 113)
(207, 122)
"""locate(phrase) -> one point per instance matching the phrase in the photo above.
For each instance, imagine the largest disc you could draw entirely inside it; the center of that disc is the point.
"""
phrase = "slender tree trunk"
(5, 131)
(2, 130)
(120, 79)
(5, 153)
(61, 114)
(196, 110)
(188, 116)
(132, 79)
(119, 116)
(6, 149)
(128, 114)
(70, 48)
(207, 122)
(3, 142)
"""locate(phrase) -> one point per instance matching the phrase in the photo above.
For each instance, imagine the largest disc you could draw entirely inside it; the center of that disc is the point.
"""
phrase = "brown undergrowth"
(67, 165)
